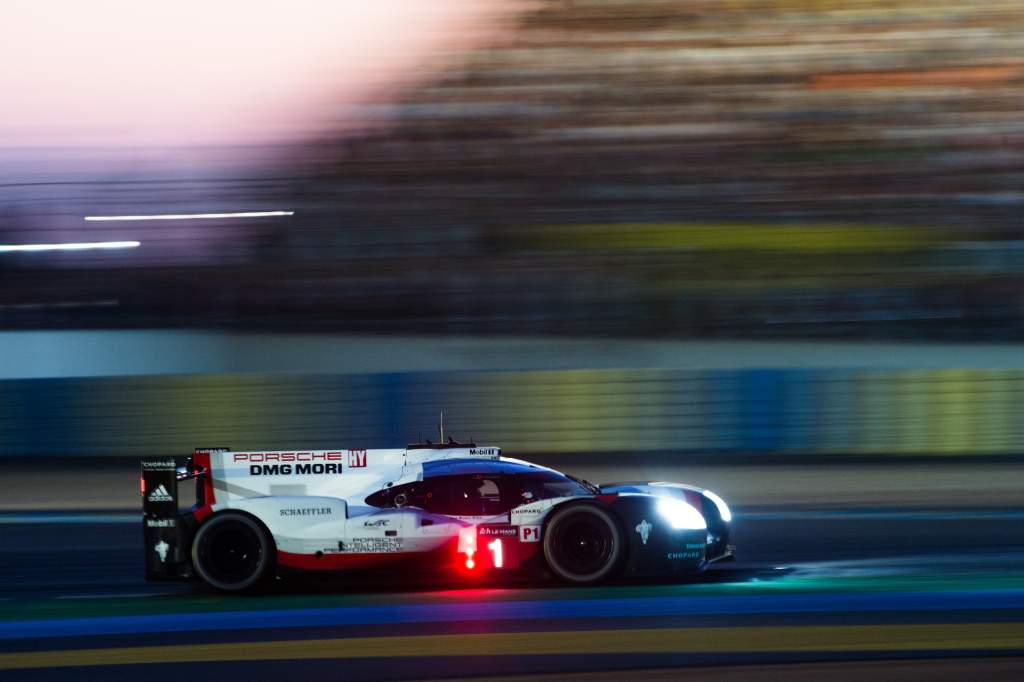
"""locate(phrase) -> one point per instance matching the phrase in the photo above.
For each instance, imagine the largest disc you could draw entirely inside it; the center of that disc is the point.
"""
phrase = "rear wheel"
(583, 544)
(233, 552)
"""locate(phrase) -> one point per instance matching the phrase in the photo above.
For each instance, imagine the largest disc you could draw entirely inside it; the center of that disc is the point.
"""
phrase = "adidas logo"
(159, 494)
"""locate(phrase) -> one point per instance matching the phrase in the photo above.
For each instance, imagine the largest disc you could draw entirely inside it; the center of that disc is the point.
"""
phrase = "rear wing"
(166, 530)
(164, 551)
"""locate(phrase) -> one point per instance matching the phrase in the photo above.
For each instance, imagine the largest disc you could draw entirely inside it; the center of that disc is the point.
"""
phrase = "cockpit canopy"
(463, 487)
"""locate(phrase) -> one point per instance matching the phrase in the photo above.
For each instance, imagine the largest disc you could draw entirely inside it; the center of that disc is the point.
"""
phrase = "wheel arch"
(581, 502)
(271, 568)
(220, 513)
(609, 509)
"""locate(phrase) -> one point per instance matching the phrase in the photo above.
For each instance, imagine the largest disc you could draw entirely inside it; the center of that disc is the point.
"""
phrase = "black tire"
(583, 544)
(233, 552)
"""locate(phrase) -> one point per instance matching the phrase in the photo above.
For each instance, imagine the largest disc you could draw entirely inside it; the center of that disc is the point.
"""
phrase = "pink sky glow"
(200, 72)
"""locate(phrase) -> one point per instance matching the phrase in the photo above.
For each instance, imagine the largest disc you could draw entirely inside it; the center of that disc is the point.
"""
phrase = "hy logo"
(159, 494)
(161, 549)
(644, 529)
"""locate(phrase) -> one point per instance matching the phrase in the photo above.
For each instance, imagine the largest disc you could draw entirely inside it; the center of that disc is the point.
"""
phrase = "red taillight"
(467, 544)
(142, 485)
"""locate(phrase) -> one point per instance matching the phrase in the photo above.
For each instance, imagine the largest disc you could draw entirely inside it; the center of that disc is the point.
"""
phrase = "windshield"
(591, 488)
(480, 494)
(548, 484)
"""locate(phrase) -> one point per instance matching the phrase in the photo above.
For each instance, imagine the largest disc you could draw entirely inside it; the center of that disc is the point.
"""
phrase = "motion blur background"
(472, 188)
(769, 247)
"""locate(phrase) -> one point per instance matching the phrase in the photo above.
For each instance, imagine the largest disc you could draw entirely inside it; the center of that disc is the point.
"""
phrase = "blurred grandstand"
(635, 167)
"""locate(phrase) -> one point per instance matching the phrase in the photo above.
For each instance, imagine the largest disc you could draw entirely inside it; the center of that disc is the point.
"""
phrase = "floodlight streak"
(190, 216)
(73, 246)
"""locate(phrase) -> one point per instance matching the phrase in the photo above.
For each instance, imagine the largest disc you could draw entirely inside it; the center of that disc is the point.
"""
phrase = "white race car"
(453, 507)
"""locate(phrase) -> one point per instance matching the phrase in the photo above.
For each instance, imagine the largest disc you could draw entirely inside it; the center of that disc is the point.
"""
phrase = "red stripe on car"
(336, 561)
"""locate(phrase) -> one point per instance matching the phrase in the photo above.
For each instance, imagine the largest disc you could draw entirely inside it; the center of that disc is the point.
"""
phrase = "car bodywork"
(453, 506)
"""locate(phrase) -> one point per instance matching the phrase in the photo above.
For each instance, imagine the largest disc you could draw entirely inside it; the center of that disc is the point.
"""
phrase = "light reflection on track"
(832, 586)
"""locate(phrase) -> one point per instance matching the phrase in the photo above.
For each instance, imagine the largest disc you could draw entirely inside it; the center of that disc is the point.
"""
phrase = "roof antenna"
(441, 427)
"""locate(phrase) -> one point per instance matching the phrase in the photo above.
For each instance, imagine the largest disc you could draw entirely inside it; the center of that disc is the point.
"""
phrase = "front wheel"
(583, 544)
(233, 552)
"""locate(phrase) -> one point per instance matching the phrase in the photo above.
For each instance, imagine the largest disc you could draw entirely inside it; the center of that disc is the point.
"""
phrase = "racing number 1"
(495, 547)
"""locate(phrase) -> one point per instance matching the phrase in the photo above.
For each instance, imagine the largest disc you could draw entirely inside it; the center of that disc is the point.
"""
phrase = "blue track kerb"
(520, 610)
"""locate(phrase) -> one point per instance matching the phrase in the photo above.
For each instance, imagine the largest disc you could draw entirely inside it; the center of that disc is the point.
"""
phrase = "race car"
(452, 507)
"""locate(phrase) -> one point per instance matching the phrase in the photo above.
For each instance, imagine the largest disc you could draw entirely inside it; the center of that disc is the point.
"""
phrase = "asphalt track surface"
(892, 593)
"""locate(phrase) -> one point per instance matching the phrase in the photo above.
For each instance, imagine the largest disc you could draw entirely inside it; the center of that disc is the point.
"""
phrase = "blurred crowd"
(739, 168)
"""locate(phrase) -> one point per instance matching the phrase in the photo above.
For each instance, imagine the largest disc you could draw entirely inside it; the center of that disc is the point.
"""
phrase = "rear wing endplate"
(164, 551)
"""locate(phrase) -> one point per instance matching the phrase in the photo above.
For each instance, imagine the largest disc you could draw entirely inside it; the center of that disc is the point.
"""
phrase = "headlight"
(680, 514)
(723, 508)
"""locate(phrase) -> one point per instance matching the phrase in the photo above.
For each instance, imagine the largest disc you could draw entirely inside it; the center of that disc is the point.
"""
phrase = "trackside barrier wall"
(836, 412)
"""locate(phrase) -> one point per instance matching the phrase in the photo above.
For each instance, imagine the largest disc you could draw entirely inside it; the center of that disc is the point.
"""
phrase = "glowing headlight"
(680, 515)
(723, 508)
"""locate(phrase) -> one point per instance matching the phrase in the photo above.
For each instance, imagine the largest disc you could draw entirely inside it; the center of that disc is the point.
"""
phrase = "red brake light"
(467, 544)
